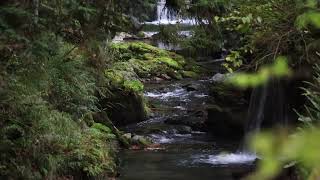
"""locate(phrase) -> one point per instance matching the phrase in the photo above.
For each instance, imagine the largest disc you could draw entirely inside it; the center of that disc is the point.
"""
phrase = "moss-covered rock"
(189, 74)
(133, 85)
(227, 112)
(175, 75)
(135, 61)
(148, 61)
(169, 62)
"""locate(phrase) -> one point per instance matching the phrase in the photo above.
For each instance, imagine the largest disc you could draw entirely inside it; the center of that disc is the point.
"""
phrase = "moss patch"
(136, 60)
(169, 62)
(133, 85)
(189, 74)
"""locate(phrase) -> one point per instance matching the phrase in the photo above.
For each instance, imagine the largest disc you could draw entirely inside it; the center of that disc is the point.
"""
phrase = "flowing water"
(164, 16)
(183, 153)
(185, 150)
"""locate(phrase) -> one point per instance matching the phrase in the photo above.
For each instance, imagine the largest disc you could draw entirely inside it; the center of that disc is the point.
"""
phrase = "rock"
(175, 75)
(196, 123)
(226, 95)
(140, 140)
(127, 108)
(218, 77)
(157, 79)
(183, 129)
(189, 74)
(165, 76)
(191, 87)
(226, 122)
(121, 36)
(127, 135)
(141, 34)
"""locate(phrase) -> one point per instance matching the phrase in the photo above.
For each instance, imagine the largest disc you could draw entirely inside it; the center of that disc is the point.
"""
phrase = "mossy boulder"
(225, 94)
(133, 85)
(227, 111)
(169, 62)
(227, 122)
(189, 74)
(136, 62)
(148, 61)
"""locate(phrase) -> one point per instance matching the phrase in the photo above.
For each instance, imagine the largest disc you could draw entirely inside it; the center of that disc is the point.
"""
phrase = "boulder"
(192, 87)
(227, 122)
(227, 95)
(183, 129)
(127, 136)
(189, 74)
(140, 140)
(218, 78)
(196, 123)
(127, 108)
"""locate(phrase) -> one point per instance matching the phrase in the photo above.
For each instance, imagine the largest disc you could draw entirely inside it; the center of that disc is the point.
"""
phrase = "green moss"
(180, 59)
(189, 74)
(140, 47)
(140, 60)
(175, 75)
(170, 62)
(141, 34)
(115, 78)
(133, 85)
(148, 56)
(101, 128)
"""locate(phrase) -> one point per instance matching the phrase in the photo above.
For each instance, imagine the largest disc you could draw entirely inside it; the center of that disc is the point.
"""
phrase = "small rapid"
(184, 149)
(227, 159)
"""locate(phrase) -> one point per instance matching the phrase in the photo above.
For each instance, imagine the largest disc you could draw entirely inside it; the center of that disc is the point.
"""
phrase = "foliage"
(51, 77)
(134, 85)
(277, 70)
(299, 149)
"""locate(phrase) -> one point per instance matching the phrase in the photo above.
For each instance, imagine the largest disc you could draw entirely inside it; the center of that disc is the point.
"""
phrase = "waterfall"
(256, 109)
(163, 14)
(267, 109)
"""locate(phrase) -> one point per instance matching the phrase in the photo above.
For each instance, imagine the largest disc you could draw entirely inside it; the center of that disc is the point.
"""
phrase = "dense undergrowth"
(256, 33)
(56, 81)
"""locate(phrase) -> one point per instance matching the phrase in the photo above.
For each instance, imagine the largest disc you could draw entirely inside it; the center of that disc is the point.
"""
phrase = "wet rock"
(175, 75)
(127, 136)
(218, 77)
(227, 95)
(189, 74)
(121, 36)
(195, 123)
(192, 87)
(127, 108)
(183, 129)
(140, 140)
(157, 79)
(226, 122)
(165, 76)
(227, 111)
(199, 113)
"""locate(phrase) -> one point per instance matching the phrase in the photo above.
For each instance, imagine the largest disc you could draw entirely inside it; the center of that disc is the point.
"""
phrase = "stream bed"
(185, 149)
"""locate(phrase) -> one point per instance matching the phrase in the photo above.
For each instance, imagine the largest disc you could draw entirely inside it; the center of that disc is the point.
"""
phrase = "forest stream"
(183, 152)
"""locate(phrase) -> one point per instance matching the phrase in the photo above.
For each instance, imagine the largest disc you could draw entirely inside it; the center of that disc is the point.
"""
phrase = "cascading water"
(164, 16)
(267, 109)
